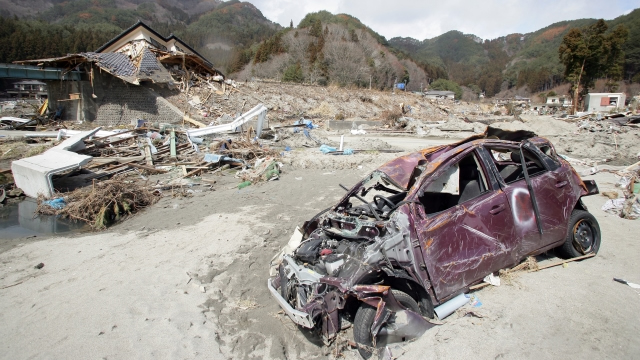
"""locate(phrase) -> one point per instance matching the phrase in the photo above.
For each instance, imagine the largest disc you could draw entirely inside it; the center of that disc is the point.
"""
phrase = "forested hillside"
(84, 25)
(322, 48)
(514, 60)
(231, 27)
(339, 49)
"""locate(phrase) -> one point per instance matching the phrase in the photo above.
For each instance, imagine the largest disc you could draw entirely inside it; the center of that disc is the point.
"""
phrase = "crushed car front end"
(344, 255)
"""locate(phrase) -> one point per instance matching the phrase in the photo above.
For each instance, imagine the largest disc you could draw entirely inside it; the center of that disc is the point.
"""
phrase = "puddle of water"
(19, 220)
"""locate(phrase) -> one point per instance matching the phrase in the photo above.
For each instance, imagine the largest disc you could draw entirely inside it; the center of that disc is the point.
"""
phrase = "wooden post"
(147, 153)
(173, 143)
(575, 94)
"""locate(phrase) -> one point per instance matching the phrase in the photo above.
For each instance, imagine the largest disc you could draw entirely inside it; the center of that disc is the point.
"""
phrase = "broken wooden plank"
(147, 153)
(168, 149)
(173, 144)
(565, 261)
(120, 159)
(479, 286)
(148, 168)
(190, 173)
(194, 122)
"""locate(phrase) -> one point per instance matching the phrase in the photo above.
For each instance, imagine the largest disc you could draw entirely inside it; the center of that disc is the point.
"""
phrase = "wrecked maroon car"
(423, 228)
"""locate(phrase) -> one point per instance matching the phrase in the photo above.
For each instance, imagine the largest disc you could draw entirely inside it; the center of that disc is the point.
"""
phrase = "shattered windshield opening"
(375, 197)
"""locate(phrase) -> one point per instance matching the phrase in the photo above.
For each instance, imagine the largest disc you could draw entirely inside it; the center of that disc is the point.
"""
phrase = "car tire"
(583, 235)
(364, 320)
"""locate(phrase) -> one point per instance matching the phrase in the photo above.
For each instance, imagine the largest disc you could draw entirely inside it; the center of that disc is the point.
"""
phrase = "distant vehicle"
(423, 228)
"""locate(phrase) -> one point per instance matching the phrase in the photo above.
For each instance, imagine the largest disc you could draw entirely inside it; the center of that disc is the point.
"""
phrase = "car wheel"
(583, 235)
(364, 320)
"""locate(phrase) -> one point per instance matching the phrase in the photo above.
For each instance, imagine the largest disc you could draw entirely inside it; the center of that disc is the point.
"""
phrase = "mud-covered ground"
(186, 278)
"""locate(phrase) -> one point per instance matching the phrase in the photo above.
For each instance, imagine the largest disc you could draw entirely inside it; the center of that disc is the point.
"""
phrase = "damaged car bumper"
(299, 317)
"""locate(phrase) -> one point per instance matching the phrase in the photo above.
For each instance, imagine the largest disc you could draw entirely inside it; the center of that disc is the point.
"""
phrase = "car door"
(549, 186)
(463, 237)
(557, 198)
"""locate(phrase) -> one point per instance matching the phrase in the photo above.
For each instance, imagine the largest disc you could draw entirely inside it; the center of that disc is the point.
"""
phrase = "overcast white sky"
(425, 19)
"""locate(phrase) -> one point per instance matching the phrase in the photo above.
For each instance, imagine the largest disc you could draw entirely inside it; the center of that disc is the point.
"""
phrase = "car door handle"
(496, 209)
(561, 184)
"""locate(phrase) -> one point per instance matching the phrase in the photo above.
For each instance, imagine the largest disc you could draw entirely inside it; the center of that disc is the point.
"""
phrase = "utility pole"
(370, 77)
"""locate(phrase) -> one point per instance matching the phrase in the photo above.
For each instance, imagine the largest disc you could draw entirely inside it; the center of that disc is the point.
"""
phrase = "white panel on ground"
(259, 110)
(33, 174)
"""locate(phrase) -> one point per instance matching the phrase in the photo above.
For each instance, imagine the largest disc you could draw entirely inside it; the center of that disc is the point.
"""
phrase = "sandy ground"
(187, 279)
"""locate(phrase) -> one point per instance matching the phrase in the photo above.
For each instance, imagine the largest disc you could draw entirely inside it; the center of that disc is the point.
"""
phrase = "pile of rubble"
(627, 204)
(102, 176)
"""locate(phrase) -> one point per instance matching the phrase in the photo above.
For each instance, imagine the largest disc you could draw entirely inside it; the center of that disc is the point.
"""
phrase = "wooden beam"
(173, 144)
(194, 122)
(565, 261)
(148, 168)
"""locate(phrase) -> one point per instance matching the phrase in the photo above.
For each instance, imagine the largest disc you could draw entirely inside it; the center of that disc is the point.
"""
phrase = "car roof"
(400, 170)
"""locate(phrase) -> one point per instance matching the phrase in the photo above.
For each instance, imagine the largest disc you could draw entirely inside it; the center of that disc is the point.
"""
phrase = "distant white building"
(564, 101)
(604, 102)
(440, 95)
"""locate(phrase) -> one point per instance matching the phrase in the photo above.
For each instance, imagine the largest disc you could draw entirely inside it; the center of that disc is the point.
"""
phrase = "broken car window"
(460, 182)
(376, 196)
(509, 163)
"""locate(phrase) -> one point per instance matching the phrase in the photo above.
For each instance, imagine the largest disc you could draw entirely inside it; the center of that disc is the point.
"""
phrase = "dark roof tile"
(148, 62)
(117, 63)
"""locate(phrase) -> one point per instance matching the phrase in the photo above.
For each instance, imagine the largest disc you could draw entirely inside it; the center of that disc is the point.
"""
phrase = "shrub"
(447, 85)
(293, 74)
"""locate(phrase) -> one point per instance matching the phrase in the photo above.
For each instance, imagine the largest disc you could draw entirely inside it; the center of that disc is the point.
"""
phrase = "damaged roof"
(146, 67)
(138, 59)
(116, 63)
(140, 23)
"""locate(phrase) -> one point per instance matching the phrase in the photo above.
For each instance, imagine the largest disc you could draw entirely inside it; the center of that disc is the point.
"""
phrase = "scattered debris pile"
(102, 176)
(627, 204)
(103, 203)
(28, 115)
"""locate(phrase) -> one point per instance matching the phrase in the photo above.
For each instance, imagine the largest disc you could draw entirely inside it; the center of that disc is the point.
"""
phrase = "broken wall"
(111, 101)
(118, 102)
(59, 96)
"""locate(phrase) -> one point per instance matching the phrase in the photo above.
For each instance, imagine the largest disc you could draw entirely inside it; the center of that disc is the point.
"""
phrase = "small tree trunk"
(575, 96)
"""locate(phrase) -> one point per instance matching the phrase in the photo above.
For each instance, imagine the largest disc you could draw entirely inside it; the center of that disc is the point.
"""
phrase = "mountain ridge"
(231, 33)
(531, 58)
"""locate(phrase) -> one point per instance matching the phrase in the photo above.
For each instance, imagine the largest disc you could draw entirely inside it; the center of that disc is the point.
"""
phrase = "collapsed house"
(121, 80)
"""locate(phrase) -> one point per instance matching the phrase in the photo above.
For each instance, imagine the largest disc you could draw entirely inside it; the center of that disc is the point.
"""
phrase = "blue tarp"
(308, 123)
(57, 204)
